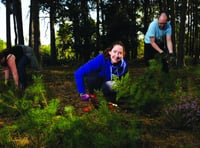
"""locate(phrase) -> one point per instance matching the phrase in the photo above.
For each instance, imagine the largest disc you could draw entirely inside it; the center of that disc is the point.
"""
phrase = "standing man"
(158, 40)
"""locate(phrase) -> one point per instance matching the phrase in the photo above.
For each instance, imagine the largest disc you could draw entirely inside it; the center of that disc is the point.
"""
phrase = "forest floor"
(59, 83)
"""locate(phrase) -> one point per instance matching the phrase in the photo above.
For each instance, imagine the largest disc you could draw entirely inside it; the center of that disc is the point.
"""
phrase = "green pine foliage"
(8, 97)
(39, 122)
(184, 112)
(149, 92)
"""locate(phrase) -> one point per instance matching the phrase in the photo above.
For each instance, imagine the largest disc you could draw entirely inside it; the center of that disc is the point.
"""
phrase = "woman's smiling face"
(116, 53)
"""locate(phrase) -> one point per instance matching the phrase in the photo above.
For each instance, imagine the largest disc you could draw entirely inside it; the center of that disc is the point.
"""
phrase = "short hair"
(164, 12)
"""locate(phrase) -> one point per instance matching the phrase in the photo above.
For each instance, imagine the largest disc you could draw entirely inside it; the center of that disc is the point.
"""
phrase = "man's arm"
(169, 44)
(154, 45)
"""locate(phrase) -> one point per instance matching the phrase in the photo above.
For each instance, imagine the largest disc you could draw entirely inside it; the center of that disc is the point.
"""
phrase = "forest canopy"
(81, 36)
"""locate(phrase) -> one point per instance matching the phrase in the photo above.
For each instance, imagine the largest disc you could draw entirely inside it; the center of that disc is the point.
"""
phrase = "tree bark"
(52, 34)
(8, 31)
(19, 23)
(34, 30)
(182, 34)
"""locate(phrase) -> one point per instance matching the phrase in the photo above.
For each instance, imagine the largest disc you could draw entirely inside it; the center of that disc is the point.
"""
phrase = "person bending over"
(14, 60)
(158, 40)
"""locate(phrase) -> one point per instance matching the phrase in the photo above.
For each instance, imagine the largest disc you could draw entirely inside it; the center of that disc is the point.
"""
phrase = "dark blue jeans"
(149, 53)
(95, 82)
(21, 68)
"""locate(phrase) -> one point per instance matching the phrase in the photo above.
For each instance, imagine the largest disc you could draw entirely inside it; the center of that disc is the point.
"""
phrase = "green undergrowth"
(37, 123)
(166, 103)
(156, 109)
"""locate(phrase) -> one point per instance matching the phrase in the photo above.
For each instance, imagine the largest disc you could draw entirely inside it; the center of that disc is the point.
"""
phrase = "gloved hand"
(171, 60)
(171, 57)
(84, 97)
(163, 55)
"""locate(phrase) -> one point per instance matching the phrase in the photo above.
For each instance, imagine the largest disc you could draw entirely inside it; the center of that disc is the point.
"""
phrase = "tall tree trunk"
(196, 33)
(31, 29)
(172, 21)
(97, 28)
(8, 31)
(86, 44)
(19, 24)
(15, 29)
(102, 17)
(146, 14)
(34, 40)
(182, 34)
(52, 34)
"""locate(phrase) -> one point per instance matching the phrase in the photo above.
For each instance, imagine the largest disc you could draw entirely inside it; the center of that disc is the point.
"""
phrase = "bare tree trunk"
(52, 33)
(19, 24)
(97, 29)
(15, 29)
(34, 41)
(102, 17)
(31, 29)
(86, 44)
(172, 13)
(196, 33)
(182, 34)
(146, 21)
(8, 31)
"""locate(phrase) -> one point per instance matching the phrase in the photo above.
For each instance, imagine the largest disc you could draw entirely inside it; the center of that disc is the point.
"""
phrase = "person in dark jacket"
(14, 60)
(100, 70)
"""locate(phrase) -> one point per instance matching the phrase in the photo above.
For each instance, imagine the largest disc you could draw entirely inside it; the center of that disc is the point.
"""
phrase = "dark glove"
(172, 60)
(163, 55)
(84, 97)
(171, 57)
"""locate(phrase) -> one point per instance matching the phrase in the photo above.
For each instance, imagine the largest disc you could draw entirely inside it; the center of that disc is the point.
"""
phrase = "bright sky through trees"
(44, 24)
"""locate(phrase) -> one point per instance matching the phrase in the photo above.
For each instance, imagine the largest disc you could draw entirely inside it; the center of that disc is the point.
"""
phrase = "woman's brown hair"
(107, 50)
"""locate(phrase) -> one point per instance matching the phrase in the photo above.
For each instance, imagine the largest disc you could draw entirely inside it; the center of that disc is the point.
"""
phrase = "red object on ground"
(110, 106)
(86, 109)
(92, 96)
(93, 103)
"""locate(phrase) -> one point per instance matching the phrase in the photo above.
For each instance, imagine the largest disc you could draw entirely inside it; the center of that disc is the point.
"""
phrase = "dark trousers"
(150, 53)
(21, 68)
(95, 82)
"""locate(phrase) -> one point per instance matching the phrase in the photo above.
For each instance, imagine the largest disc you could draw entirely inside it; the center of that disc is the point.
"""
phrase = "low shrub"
(184, 114)
(39, 122)
(149, 93)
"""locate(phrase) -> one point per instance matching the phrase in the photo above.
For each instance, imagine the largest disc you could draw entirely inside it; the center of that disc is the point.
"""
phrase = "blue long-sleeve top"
(102, 66)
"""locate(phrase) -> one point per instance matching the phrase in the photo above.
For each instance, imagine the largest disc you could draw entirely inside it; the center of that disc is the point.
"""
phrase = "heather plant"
(185, 113)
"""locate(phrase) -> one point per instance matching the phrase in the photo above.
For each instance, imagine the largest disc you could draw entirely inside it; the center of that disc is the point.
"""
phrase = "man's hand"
(163, 55)
(171, 58)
